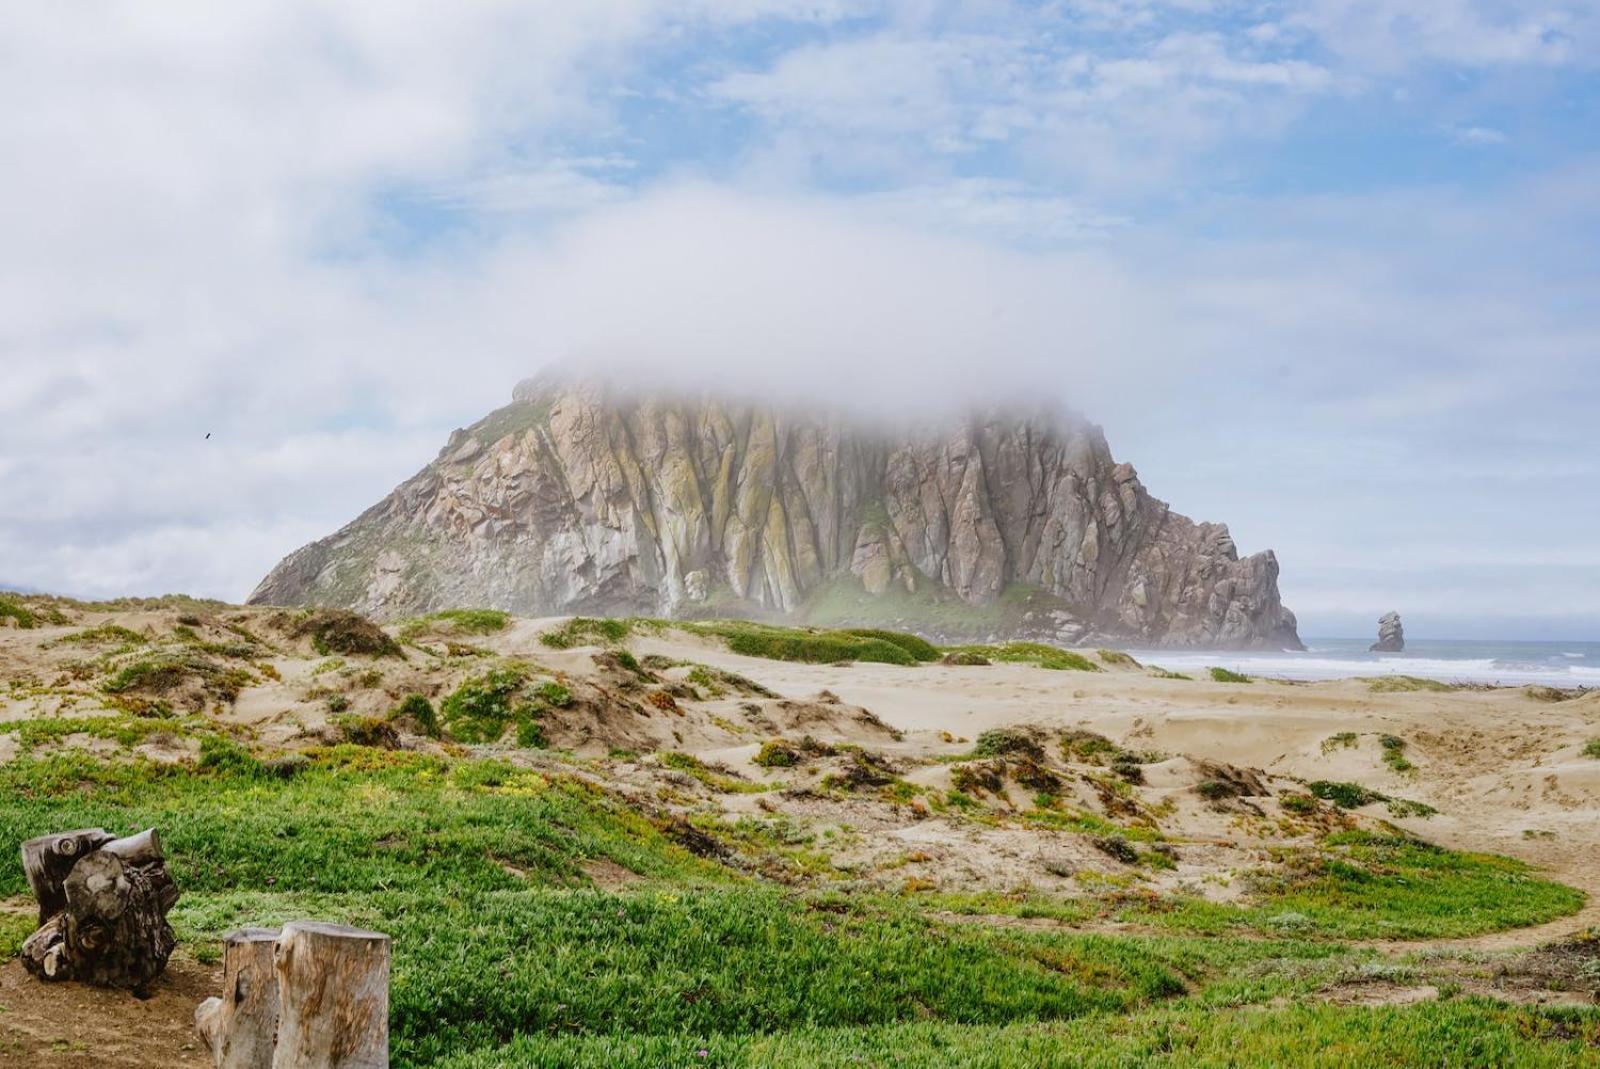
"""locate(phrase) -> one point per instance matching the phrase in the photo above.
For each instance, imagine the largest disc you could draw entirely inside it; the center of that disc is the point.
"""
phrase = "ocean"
(1557, 664)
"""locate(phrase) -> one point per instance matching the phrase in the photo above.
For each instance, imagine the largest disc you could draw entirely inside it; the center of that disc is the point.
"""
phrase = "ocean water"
(1557, 664)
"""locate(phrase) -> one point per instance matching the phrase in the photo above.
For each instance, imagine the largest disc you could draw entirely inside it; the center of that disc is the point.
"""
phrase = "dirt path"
(57, 1026)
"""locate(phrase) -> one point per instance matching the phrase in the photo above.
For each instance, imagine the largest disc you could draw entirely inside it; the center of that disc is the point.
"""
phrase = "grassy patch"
(1402, 684)
(126, 731)
(1224, 675)
(589, 631)
(919, 648)
(1354, 796)
(105, 635)
(456, 622)
(1461, 1032)
(505, 954)
(1034, 653)
(1361, 885)
(807, 645)
(1592, 748)
(1347, 740)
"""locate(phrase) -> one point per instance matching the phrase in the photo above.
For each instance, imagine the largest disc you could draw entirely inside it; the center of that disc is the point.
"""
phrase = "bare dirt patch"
(70, 1026)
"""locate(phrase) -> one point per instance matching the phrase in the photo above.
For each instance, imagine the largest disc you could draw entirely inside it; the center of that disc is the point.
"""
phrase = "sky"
(1325, 270)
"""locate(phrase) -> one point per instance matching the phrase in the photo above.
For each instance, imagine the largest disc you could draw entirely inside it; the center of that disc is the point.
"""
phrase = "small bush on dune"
(344, 632)
(919, 648)
(1394, 753)
(1004, 742)
(1592, 748)
(1344, 795)
(777, 754)
(418, 710)
(587, 630)
(1223, 675)
(221, 755)
(481, 707)
(1118, 658)
(11, 609)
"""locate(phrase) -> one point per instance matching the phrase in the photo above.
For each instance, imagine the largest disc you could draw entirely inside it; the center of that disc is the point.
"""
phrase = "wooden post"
(333, 998)
(103, 906)
(239, 1027)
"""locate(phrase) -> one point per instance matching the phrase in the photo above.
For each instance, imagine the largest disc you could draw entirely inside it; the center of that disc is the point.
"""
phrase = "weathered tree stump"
(313, 996)
(103, 906)
(333, 998)
(240, 1027)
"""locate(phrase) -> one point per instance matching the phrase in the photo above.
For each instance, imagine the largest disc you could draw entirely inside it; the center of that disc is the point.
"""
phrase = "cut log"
(104, 906)
(333, 998)
(47, 860)
(239, 1027)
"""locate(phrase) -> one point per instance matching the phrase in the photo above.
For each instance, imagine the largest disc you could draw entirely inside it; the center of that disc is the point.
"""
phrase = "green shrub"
(1002, 742)
(481, 707)
(1223, 675)
(419, 710)
(224, 756)
(1344, 795)
(1592, 748)
(1301, 805)
(777, 754)
(1394, 753)
(1118, 658)
(14, 610)
(585, 630)
(1080, 745)
(368, 731)
(473, 621)
(919, 648)
(344, 632)
(553, 694)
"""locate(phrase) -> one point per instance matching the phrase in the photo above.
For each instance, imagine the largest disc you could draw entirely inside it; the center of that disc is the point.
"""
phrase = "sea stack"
(1391, 634)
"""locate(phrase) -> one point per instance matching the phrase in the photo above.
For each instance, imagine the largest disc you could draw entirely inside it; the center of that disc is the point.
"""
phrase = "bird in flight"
(208, 436)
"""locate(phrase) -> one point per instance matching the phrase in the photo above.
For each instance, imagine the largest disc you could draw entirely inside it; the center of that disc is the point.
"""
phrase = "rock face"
(1391, 634)
(581, 497)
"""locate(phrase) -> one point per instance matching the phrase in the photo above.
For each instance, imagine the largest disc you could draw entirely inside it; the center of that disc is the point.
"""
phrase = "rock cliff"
(580, 497)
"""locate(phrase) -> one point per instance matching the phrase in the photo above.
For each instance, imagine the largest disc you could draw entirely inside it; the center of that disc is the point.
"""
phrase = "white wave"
(1313, 665)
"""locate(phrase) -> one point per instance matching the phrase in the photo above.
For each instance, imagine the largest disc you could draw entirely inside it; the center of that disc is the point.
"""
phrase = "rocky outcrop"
(1391, 635)
(579, 497)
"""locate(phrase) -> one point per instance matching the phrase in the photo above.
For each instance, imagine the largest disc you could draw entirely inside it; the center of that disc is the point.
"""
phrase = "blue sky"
(1324, 269)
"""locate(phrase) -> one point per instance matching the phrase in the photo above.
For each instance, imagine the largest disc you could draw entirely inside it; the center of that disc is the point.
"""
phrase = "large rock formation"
(580, 497)
(1391, 635)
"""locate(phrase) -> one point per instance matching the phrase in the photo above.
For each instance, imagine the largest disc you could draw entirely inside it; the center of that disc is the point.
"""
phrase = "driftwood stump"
(239, 1028)
(314, 996)
(103, 906)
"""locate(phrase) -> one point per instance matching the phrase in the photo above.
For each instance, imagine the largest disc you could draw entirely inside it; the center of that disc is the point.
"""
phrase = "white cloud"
(1479, 135)
(204, 217)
